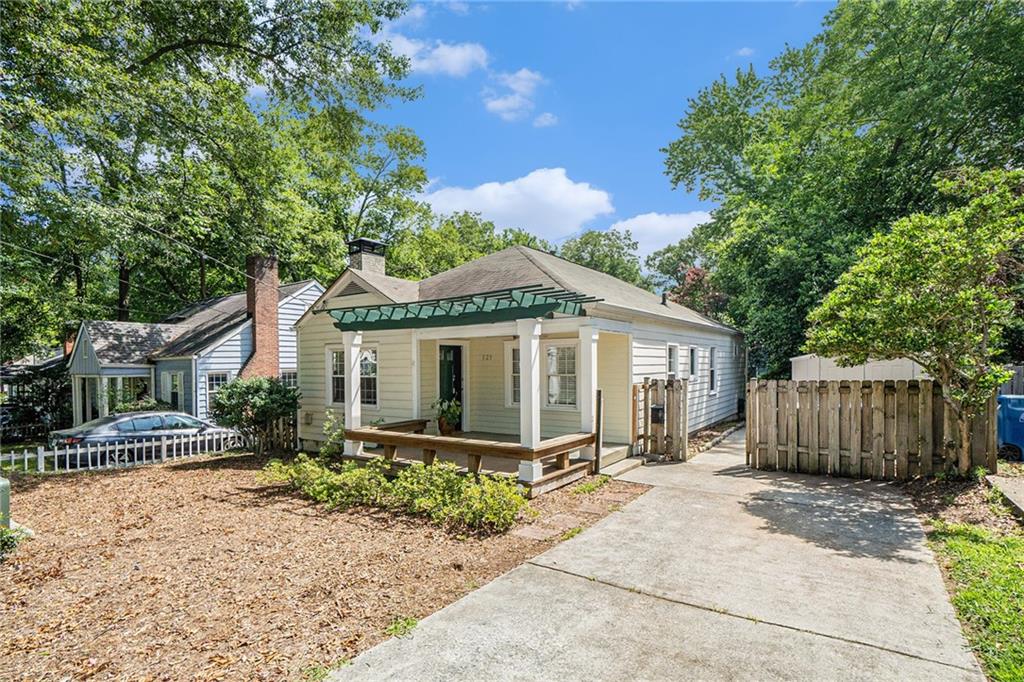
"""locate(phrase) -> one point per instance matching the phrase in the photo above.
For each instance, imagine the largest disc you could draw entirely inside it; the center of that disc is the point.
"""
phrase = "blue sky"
(550, 115)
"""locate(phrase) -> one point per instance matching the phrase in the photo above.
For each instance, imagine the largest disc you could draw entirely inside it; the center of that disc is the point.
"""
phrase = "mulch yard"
(198, 570)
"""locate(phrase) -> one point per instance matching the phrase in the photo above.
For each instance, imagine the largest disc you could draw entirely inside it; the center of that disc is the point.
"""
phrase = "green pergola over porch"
(483, 308)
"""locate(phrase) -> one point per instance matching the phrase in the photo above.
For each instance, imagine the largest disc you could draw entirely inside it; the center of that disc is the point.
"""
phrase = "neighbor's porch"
(95, 395)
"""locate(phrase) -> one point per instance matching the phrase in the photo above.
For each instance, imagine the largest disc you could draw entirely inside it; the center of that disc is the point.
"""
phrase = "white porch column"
(415, 413)
(587, 383)
(103, 386)
(76, 400)
(529, 393)
(119, 389)
(353, 342)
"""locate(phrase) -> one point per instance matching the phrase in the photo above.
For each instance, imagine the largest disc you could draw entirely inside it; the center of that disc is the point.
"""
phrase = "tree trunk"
(124, 274)
(76, 262)
(964, 422)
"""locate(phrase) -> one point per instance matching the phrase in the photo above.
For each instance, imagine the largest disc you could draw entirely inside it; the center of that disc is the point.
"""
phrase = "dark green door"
(450, 361)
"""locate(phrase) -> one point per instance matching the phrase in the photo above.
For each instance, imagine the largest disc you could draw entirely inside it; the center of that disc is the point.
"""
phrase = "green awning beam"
(483, 308)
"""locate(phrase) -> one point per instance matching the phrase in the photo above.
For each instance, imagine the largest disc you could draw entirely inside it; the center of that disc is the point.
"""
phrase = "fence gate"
(659, 421)
(863, 429)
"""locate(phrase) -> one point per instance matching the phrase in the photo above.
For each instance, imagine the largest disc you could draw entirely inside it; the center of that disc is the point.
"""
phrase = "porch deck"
(545, 467)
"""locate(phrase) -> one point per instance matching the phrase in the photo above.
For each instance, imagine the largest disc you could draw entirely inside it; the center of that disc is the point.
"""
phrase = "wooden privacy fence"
(863, 429)
(1015, 386)
(659, 422)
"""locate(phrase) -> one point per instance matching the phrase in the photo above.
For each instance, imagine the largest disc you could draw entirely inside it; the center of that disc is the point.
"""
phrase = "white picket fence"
(126, 453)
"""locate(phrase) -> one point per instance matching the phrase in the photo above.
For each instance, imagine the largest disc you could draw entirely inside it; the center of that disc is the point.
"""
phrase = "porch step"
(620, 467)
(610, 454)
(559, 477)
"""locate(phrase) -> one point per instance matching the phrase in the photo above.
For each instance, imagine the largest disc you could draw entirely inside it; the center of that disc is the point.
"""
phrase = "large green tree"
(609, 251)
(842, 137)
(137, 136)
(936, 289)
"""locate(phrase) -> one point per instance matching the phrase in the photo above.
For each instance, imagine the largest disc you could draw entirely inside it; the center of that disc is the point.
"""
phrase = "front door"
(450, 385)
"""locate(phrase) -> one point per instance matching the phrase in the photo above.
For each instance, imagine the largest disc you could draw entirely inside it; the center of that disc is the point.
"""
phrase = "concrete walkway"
(718, 572)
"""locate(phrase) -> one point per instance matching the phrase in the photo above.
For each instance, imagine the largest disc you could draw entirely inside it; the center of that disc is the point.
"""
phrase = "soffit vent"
(352, 289)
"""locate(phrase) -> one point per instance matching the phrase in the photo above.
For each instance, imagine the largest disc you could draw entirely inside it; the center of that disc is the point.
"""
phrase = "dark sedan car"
(117, 428)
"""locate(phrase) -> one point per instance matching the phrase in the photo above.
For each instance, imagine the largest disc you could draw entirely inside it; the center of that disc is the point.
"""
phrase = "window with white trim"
(673, 361)
(713, 386)
(338, 376)
(515, 376)
(693, 364)
(290, 379)
(214, 380)
(368, 377)
(560, 367)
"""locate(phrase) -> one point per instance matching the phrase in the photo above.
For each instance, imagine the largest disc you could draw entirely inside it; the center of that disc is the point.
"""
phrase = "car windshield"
(102, 421)
(151, 422)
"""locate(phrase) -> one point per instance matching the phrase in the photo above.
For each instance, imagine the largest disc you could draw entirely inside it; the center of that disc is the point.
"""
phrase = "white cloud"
(653, 231)
(439, 57)
(545, 120)
(745, 52)
(458, 7)
(545, 202)
(515, 100)
(413, 17)
(573, 5)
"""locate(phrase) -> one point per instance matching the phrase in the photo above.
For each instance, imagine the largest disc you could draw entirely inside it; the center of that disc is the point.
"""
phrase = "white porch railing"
(126, 453)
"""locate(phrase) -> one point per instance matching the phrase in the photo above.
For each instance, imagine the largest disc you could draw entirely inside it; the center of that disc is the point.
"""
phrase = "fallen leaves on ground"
(196, 570)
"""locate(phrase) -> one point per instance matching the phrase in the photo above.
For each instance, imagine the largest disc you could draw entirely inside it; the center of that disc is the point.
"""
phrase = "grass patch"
(593, 485)
(571, 533)
(320, 671)
(988, 589)
(400, 627)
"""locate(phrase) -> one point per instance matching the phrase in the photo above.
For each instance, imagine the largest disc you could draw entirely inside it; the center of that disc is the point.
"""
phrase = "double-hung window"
(673, 361)
(693, 364)
(560, 366)
(368, 391)
(515, 376)
(368, 377)
(338, 376)
(214, 380)
(713, 386)
(290, 379)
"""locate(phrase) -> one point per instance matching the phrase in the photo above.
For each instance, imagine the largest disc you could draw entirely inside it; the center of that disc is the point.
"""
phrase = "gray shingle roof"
(184, 333)
(129, 343)
(519, 266)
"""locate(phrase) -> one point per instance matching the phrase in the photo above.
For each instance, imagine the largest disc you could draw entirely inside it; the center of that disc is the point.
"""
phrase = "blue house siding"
(188, 382)
(227, 357)
(288, 313)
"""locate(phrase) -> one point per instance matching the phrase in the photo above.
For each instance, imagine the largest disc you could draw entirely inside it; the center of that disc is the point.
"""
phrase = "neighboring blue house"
(184, 359)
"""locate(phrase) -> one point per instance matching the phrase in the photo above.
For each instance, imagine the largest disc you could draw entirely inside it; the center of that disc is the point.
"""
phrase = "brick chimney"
(261, 295)
(70, 332)
(367, 255)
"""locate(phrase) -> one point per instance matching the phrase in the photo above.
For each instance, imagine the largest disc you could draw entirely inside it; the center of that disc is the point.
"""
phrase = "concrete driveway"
(718, 572)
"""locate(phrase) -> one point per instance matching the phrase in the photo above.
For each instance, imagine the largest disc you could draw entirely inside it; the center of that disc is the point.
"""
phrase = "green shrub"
(254, 406)
(334, 436)
(431, 490)
(490, 504)
(141, 405)
(439, 492)
(9, 540)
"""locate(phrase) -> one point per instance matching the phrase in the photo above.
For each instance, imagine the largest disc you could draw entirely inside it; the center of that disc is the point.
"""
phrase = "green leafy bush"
(141, 405)
(9, 540)
(439, 492)
(253, 406)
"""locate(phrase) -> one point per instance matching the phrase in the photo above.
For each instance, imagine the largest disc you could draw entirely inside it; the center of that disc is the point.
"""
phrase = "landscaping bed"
(200, 569)
(980, 546)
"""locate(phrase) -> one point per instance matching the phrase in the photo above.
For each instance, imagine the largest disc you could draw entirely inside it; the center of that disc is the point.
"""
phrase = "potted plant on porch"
(448, 414)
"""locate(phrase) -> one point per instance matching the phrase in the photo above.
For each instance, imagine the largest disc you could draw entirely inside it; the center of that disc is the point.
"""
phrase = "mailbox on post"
(657, 414)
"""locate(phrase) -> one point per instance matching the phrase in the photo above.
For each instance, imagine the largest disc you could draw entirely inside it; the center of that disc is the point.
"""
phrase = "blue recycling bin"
(1011, 425)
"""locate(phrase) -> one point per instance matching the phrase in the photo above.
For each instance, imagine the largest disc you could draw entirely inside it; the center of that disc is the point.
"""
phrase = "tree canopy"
(935, 289)
(609, 251)
(842, 137)
(140, 135)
